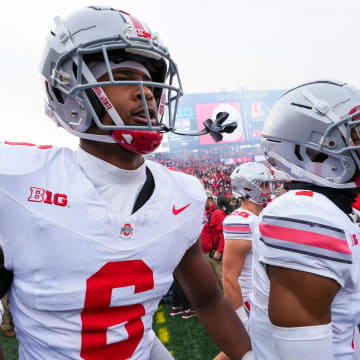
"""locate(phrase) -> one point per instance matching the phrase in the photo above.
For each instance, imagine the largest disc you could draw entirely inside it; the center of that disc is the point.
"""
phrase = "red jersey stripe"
(305, 193)
(352, 342)
(305, 238)
(18, 143)
(173, 169)
(236, 228)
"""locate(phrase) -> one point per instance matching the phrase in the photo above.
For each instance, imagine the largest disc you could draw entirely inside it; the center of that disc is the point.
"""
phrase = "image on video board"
(209, 111)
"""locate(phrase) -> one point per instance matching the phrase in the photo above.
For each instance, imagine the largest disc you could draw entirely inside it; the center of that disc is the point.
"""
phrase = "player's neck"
(113, 154)
(252, 207)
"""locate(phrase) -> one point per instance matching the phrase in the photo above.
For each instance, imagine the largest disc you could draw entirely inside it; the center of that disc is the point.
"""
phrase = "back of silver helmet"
(311, 133)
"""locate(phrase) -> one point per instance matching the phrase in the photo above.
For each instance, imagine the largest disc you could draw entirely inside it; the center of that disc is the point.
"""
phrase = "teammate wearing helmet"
(93, 237)
(252, 182)
(306, 292)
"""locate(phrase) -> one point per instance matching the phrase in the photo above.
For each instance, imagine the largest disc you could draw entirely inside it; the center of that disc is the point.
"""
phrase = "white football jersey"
(304, 230)
(241, 224)
(86, 286)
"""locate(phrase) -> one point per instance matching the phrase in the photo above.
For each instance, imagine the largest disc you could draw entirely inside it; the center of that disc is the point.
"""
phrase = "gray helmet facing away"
(313, 133)
(247, 180)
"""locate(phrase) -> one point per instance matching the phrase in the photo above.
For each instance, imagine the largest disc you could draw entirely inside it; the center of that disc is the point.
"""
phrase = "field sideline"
(185, 339)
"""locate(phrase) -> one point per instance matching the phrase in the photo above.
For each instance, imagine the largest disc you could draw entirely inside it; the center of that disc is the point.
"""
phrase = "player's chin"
(97, 131)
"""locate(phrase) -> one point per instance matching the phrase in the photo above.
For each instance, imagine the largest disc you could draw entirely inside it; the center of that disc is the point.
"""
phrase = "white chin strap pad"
(304, 343)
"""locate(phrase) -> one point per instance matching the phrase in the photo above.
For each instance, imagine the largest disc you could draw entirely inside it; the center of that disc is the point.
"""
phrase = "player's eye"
(120, 77)
(151, 88)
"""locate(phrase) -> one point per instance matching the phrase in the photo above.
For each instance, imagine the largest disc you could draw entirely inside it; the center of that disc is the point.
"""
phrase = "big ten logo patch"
(47, 197)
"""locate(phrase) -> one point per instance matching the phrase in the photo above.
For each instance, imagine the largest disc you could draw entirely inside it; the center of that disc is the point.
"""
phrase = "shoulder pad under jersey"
(304, 230)
(240, 224)
(21, 158)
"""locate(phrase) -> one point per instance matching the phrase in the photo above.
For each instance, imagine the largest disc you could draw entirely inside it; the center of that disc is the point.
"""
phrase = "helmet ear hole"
(58, 95)
(297, 152)
(316, 156)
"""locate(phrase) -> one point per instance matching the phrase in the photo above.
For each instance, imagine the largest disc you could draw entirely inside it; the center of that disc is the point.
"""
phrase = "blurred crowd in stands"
(212, 165)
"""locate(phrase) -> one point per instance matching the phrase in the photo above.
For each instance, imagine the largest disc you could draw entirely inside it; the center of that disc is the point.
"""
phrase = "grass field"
(10, 347)
(185, 339)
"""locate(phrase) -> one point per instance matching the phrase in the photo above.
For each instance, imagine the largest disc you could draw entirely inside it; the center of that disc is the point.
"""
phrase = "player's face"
(282, 189)
(266, 189)
(355, 137)
(208, 204)
(127, 98)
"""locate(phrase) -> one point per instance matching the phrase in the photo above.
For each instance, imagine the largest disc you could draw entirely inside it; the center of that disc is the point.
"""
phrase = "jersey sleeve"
(23, 158)
(305, 231)
(17, 162)
(197, 193)
(239, 225)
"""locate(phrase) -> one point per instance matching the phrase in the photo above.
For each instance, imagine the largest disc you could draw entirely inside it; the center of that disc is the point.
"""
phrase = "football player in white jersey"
(306, 291)
(93, 237)
(252, 182)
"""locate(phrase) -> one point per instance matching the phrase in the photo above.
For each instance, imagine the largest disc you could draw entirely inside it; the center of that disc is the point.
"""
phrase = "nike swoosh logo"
(178, 211)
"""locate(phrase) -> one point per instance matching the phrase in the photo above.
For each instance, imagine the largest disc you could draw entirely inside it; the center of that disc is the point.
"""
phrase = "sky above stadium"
(218, 46)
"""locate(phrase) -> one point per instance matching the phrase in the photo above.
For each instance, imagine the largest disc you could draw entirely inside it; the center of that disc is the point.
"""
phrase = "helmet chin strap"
(100, 93)
(299, 173)
(82, 135)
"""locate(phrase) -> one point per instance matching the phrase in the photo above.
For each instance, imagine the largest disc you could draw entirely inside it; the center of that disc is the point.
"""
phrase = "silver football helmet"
(313, 133)
(102, 35)
(248, 179)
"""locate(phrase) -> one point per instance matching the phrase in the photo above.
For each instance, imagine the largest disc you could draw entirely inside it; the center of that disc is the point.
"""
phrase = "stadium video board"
(248, 108)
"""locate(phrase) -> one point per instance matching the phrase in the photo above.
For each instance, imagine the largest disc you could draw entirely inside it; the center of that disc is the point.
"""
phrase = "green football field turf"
(10, 347)
(185, 339)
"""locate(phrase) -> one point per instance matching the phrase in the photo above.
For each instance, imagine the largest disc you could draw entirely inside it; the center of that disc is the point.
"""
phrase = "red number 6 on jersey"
(97, 315)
